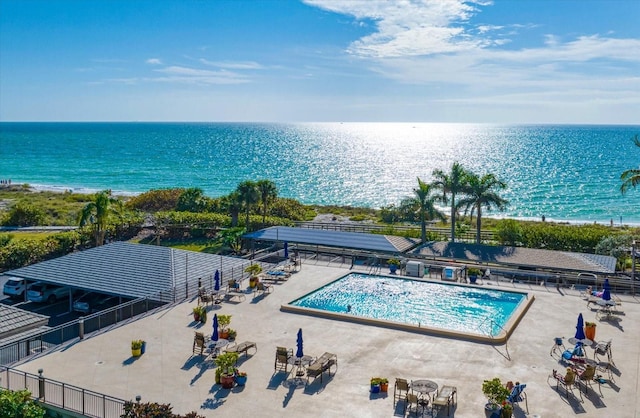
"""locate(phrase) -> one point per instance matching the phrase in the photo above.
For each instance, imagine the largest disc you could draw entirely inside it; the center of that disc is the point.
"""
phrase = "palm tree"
(424, 202)
(631, 177)
(453, 183)
(232, 204)
(268, 192)
(482, 192)
(249, 196)
(97, 213)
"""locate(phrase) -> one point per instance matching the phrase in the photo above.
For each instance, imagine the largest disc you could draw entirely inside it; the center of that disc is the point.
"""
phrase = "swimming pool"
(441, 308)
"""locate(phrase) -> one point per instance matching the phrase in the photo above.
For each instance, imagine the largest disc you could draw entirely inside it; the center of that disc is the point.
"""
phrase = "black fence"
(62, 395)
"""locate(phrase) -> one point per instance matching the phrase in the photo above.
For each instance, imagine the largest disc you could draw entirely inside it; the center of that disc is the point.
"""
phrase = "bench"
(321, 365)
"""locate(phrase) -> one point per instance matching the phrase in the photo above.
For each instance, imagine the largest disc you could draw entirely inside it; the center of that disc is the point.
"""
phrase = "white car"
(44, 292)
(14, 288)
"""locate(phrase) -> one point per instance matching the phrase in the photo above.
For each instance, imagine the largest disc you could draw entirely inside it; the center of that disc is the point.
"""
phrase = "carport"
(131, 270)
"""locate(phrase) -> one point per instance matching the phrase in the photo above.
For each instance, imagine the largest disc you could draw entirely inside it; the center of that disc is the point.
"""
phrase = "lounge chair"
(243, 347)
(400, 390)
(322, 364)
(199, 344)
(282, 358)
(234, 291)
(568, 382)
(445, 396)
(518, 395)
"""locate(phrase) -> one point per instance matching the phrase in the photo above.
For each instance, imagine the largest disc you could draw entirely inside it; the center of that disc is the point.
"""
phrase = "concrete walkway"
(167, 373)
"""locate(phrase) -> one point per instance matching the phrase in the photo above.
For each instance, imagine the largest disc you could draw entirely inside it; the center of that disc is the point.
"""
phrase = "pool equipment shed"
(414, 269)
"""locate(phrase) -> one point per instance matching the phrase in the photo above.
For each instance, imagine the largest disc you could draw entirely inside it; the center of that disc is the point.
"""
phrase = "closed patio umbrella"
(299, 352)
(580, 329)
(216, 279)
(214, 335)
(606, 294)
(286, 250)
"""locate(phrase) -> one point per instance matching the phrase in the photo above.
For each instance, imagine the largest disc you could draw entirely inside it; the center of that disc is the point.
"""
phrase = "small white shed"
(414, 269)
(452, 274)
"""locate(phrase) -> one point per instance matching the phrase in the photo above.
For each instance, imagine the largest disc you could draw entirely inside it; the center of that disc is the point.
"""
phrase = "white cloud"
(154, 61)
(242, 65)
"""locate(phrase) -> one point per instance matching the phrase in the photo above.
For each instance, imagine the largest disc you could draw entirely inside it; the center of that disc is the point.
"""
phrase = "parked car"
(14, 288)
(93, 302)
(44, 292)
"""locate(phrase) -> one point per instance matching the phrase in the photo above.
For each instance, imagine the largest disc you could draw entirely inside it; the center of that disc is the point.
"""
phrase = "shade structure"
(606, 294)
(580, 329)
(216, 279)
(299, 352)
(214, 335)
(286, 250)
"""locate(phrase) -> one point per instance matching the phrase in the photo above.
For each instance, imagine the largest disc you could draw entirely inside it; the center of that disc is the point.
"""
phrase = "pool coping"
(500, 338)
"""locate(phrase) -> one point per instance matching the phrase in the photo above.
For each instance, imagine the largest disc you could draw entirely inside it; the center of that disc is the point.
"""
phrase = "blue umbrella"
(216, 278)
(606, 294)
(299, 353)
(286, 250)
(580, 329)
(214, 336)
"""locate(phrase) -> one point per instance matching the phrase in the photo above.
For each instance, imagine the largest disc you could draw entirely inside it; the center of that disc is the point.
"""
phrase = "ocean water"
(566, 173)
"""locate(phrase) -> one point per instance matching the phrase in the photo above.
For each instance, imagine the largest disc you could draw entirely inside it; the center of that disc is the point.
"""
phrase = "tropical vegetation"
(18, 404)
(631, 177)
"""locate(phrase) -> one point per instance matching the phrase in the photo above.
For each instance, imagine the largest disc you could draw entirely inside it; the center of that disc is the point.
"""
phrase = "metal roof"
(127, 269)
(526, 257)
(352, 240)
(14, 320)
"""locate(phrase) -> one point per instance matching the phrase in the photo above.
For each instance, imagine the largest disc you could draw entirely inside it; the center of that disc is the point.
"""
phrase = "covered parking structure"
(133, 271)
(517, 259)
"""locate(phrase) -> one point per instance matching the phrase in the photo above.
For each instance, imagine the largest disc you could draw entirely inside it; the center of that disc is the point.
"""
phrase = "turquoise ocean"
(566, 173)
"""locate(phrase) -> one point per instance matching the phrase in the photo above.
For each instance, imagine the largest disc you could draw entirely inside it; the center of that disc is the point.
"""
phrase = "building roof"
(340, 239)
(127, 269)
(518, 256)
(14, 320)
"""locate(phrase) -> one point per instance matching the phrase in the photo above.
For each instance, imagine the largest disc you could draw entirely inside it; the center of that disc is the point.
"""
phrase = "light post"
(633, 260)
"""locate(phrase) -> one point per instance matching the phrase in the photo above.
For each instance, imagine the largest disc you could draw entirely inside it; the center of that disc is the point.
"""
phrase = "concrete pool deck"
(167, 373)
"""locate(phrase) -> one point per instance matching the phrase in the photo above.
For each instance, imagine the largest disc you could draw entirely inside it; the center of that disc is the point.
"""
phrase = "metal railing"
(62, 395)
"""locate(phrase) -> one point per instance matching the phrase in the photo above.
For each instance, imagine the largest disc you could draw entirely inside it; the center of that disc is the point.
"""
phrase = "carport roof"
(126, 269)
(341, 239)
(527, 257)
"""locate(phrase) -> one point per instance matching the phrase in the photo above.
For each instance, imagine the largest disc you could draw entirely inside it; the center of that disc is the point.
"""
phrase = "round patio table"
(584, 341)
(424, 386)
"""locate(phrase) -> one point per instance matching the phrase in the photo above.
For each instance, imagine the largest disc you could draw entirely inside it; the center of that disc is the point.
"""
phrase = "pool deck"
(167, 373)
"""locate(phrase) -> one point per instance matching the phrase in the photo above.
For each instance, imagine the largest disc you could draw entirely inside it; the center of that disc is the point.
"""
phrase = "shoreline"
(122, 193)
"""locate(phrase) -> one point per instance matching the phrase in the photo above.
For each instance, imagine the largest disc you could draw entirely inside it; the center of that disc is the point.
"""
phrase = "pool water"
(452, 307)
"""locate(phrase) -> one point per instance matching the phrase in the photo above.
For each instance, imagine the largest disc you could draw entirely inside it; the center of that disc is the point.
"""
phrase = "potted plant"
(254, 270)
(384, 384)
(223, 323)
(473, 274)
(590, 330)
(507, 410)
(136, 348)
(394, 263)
(226, 366)
(496, 394)
(241, 378)
(375, 385)
(200, 314)
(232, 334)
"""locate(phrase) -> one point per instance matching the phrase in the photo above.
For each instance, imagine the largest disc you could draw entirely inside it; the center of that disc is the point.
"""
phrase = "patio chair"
(412, 401)
(568, 382)
(603, 348)
(517, 395)
(588, 376)
(400, 390)
(262, 288)
(282, 359)
(558, 347)
(445, 396)
(198, 344)
(322, 364)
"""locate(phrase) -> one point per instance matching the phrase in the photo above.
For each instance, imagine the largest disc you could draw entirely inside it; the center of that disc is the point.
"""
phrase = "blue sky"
(500, 61)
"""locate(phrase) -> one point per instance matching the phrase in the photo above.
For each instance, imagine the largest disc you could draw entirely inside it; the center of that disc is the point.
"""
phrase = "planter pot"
(473, 279)
(224, 335)
(143, 348)
(384, 387)
(491, 411)
(590, 333)
(375, 388)
(393, 268)
(252, 282)
(227, 381)
(196, 317)
(241, 380)
(136, 352)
